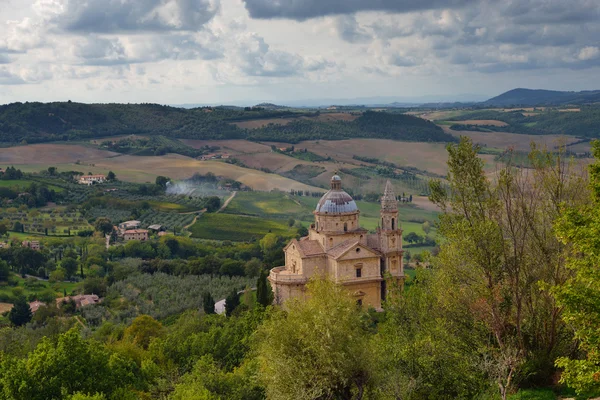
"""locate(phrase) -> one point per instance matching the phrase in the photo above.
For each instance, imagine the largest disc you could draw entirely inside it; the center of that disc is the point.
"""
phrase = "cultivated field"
(230, 146)
(51, 154)
(426, 156)
(236, 227)
(491, 122)
(323, 117)
(504, 140)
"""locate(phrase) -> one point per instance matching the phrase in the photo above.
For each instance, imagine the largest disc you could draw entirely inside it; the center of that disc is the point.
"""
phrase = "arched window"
(345, 227)
(393, 224)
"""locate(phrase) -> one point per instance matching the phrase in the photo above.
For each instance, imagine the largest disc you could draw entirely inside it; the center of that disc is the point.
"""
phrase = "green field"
(22, 183)
(59, 288)
(237, 227)
(269, 205)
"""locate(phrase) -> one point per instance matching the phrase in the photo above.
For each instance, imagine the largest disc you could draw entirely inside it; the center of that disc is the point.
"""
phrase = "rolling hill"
(533, 97)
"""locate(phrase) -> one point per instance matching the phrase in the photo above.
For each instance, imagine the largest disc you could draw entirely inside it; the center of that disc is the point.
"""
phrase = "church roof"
(310, 247)
(389, 201)
(306, 248)
(345, 246)
(336, 200)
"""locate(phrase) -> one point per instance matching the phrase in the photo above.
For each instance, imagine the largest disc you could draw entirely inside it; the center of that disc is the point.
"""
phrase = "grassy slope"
(236, 227)
(58, 288)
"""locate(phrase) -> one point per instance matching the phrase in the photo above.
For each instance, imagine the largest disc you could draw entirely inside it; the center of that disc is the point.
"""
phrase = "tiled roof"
(131, 231)
(341, 248)
(310, 247)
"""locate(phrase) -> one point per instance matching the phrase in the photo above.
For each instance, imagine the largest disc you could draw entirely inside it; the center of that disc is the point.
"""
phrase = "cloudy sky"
(247, 51)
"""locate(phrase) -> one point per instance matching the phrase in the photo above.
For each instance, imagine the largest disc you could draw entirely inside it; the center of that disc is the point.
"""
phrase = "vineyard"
(149, 217)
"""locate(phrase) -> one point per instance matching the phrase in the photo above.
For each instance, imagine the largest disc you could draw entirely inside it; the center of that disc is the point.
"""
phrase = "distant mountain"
(531, 97)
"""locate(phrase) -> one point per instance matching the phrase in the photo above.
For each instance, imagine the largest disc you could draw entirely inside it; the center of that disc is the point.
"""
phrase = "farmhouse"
(91, 179)
(156, 227)
(135, 234)
(33, 244)
(338, 248)
(123, 226)
(80, 300)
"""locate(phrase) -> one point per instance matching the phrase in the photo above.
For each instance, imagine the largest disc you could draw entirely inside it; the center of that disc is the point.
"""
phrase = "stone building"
(135, 234)
(338, 248)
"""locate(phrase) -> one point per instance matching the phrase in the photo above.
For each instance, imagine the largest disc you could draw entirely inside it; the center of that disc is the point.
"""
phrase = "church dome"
(336, 200)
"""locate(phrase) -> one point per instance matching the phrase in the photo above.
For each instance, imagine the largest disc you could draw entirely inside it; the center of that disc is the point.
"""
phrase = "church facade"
(338, 248)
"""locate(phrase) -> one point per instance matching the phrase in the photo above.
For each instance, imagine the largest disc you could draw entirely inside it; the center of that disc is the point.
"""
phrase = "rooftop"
(336, 200)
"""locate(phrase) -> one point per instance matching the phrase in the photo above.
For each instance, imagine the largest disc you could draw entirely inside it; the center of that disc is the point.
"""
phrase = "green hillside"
(68, 121)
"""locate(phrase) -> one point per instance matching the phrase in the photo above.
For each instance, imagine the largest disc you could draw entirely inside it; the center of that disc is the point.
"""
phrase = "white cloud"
(589, 53)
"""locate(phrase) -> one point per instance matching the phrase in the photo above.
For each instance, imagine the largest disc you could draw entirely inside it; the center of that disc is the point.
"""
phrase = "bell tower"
(390, 236)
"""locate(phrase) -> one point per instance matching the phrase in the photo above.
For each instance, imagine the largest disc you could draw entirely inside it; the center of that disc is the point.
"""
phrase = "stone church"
(338, 248)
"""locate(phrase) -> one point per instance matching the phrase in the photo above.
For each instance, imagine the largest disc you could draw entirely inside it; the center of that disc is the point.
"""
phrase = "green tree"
(264, 294)
(318, 349)
(111, 176)
(69, 265)
(104, 226)
(213, 203)
(4, 271)
(94, 285)
(580, 294)
(142, 330)
(426, 227)
(499, 255)
(52, 170)
(162, 181)
(232, 302)
(20, 314)
(208, 303)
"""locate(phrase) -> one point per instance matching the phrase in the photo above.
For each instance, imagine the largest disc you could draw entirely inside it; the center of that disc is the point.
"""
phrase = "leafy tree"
(426, 227)
(52, 170)
(253, 267)
(111, 176)
(413, 237)
(142, 330)
(104, 226)
(20, 314)
(69, 265)
(232, 268)
(318, 349)
(162, 181)
(213, 203)
(94, 285)
(580, 295)
(208, 303)
(232, 302)
(60, 367)
(499, 254)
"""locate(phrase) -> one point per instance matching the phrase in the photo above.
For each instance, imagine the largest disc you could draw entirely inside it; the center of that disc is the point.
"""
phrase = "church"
(338, 248)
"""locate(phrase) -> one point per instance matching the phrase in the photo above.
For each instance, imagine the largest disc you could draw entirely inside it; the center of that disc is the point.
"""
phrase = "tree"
(580, 294)
(20, 314)
(426, 227)
(162, 181)
(4, 271)
(291, 222)
(94, 285)
(52, 170)
(111, 176)
(69, 265)
(499, 257)
(142, 330)
(413, 237)
(208, 303)
(104, 226)
(232, 302)
(264, 294)
(213, 203)
(318, 349)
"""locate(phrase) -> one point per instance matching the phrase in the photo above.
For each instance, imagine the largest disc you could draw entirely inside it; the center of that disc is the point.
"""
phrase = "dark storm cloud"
(108, 16)
(306, 9)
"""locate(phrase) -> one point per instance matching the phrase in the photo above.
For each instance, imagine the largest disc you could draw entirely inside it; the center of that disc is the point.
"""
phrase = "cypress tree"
(208, 303)
(232, 302)
(264, 295)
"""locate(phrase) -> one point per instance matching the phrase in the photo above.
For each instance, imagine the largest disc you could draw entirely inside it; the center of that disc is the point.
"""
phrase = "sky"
(283, 51)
